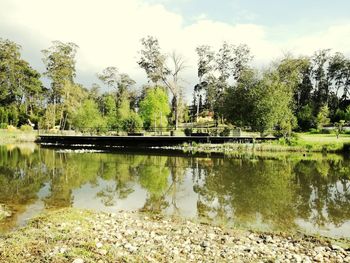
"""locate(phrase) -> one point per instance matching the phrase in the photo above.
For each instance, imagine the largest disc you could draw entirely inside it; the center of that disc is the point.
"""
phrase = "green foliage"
(188, 131)
(59, 60)
(88, 118)
(339, 127)
(225, 132)
(132, 123)
(323, 117)
(268, 111)
(26, 128)
(152, 60)
(306, 119)
(154, 108)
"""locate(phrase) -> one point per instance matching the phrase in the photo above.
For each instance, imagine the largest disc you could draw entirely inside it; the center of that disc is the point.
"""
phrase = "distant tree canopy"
(291, 94)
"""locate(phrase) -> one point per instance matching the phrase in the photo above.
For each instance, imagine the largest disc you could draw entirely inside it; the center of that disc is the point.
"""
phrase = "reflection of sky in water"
(185, 197)
(265, 195)
(86, 197)
(327, 230)
(35, 208)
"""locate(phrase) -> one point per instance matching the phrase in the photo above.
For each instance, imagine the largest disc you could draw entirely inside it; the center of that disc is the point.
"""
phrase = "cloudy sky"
(108, 32)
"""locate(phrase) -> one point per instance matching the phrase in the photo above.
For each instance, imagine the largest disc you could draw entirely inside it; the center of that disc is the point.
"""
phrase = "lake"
(271, 192)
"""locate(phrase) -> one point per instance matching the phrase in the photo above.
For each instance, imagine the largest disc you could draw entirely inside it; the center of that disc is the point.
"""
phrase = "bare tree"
(172, 82)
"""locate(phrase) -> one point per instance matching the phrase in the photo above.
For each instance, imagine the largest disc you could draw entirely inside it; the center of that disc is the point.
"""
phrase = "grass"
(301, 143)
(321, 142)
(13, 136)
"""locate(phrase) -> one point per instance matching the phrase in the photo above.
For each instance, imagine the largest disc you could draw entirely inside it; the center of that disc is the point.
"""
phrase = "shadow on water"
(264, 191)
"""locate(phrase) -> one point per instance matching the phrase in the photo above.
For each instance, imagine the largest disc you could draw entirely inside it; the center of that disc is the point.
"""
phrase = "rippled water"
(273, 192)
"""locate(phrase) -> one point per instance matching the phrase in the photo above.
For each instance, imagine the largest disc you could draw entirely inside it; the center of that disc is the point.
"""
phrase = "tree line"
(292, 93)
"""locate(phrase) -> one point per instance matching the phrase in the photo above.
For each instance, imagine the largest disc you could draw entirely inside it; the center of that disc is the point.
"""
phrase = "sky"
(108, 32)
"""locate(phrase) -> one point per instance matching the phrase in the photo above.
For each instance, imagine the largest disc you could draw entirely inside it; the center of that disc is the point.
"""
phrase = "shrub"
(213, 132)
(188, 131)
(133, 123)
(11, 128)
(26, 128)
(346, 147)
(226, 132)
(3, 125)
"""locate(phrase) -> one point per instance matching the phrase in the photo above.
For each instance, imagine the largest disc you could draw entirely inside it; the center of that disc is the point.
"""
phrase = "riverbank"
(17, 136)
(302, 143)
(71, 235)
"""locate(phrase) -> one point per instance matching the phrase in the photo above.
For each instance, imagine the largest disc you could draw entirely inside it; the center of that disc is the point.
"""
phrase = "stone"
(335, 247)
(99, 245)
(78, 260)
(318, 258)
(205, 244)
(297, 258)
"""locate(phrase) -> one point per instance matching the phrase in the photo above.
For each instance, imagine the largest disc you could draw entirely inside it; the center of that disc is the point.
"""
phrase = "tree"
(154, 108)
(272, 105)
(20, 85)
(158, 72)
(320, 62)
(339, 127)
(205, 72)
(152, 60)
(322, 117)
(88, 117)
(239, 102)
(59, 60)
(132, 123)
(263, 104)
(173, 84)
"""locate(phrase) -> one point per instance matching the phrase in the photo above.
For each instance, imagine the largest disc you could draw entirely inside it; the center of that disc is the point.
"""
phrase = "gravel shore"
(79, 236)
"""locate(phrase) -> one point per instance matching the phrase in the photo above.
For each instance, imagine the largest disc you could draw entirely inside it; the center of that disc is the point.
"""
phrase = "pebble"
(130, 235)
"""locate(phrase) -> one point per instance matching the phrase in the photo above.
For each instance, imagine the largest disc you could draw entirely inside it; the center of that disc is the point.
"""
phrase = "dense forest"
(291, 94)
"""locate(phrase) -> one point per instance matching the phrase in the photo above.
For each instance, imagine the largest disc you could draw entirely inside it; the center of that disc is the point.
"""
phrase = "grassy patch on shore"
(15, 136)
(301, 142)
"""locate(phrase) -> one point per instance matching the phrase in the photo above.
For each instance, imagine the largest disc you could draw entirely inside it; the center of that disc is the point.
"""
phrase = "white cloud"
(109, 32)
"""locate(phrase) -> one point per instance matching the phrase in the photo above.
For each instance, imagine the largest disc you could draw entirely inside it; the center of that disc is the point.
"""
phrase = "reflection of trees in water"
(21, 179)
(277, 191)
(242, 189)
(324, 191)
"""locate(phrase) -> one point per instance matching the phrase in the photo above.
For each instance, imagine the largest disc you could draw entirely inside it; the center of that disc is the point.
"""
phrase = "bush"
(226, 132)
(133, 123)
(346, 148)
(214, 132)
(11, 128)
(26, 128)
(188, 131)
(3, 125)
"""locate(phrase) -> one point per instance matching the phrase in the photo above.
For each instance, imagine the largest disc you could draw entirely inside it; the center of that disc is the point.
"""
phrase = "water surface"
(274, 192)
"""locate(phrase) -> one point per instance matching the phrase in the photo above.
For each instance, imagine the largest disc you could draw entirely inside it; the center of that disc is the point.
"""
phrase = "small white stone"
(99, 245)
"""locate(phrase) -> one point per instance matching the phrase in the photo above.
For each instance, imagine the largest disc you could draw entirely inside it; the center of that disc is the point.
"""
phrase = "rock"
(318, 258)
(335, 247)
(306, 259)
(99, 245)
(102, 252)
(78, 260)
(269, 239)
(63, 250)
(297, 258)
(130, 248)
(205, 244)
